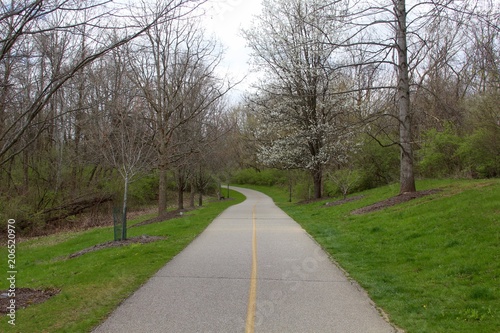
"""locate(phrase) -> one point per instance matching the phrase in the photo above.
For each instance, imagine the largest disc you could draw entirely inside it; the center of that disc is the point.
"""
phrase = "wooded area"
(100, 102)
(341, 75)
(95, 96)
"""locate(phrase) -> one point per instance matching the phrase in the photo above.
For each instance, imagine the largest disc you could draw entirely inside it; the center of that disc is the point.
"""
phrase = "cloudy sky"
(225, 19)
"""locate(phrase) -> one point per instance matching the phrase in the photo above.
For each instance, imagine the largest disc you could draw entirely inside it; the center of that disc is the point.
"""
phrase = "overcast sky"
(225, 19)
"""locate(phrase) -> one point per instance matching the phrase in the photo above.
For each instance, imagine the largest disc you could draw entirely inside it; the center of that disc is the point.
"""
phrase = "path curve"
(253, 269)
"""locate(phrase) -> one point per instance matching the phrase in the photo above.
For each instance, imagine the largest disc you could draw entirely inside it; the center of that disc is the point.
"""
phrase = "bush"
(438, 155)
(378, 165)
(480, 152)
(345, 181)
(303, 191)
(267, 177)
(445, 154)
(18, 209)
(144, 190)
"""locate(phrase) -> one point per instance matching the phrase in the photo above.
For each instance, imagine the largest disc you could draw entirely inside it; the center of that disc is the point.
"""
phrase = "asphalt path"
(253, 269)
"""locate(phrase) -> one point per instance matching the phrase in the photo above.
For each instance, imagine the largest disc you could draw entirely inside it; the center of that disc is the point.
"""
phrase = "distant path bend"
(253, 269)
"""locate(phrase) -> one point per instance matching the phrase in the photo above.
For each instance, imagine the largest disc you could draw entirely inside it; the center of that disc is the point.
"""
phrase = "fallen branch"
(75, 207)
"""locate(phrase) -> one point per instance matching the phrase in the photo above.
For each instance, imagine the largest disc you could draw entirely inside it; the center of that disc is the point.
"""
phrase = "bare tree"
(20, 21)
(212, 149)
(122, 134)
(345, 179)
(194, 146)
(176, 72)
(126, 146)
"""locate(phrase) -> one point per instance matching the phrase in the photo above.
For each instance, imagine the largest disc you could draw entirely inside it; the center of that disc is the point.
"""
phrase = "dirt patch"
(343, 201)
(405, 197)
(144, 239)
(25, 297)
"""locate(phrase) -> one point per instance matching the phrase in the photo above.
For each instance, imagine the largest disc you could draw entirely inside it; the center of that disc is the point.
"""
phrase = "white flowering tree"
(303, 122)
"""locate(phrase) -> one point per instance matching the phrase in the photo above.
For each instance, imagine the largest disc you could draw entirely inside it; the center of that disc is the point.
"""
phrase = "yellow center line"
(252, 298)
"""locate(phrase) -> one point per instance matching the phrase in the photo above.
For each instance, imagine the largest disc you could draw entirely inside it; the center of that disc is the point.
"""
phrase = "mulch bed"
(405, 197)
(25, 297)
(144, 239)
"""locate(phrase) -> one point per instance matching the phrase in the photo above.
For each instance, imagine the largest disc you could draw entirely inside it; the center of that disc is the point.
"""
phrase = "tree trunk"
(180, 196)
(124, 212)
(162, 191)
(180, 191)
(407, 178)
(192, 195)
(318, 182)
(26, 173)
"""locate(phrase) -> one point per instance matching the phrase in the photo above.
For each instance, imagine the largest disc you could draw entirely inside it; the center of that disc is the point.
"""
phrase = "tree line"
(342, 79)
(95, 95)
(92, 91)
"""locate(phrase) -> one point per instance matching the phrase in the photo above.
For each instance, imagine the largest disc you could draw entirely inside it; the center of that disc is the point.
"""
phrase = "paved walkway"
(252, 270)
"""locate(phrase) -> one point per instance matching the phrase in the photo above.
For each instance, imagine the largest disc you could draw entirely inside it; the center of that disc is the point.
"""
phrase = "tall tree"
(176, 72)
(401, 34)
(407, 176)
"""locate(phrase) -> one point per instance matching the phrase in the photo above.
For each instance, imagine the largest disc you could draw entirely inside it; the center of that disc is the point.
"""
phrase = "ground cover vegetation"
(432, 264)
(89, 286)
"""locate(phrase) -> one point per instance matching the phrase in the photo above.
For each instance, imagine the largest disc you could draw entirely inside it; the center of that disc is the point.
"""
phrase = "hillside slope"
(432, 263)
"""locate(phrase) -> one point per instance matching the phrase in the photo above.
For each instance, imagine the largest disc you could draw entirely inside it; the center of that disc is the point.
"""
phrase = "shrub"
(144, 190)
(18, 209)
(480, 152)
(377, 164)
(345, 181)
(268, 177)
(438, 155)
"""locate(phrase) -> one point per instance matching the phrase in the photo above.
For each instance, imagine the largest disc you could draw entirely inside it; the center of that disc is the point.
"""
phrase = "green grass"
(94, 284)
(433, 264)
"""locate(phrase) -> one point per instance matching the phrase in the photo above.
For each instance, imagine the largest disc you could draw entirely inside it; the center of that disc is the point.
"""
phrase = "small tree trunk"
(124, 212)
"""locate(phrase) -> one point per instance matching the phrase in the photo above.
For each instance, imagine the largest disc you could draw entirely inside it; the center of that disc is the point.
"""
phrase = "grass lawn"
(93, 284)
(432, 264)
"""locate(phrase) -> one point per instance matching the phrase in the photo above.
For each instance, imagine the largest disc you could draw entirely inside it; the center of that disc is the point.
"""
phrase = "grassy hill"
(90, 286)
(432, 264)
